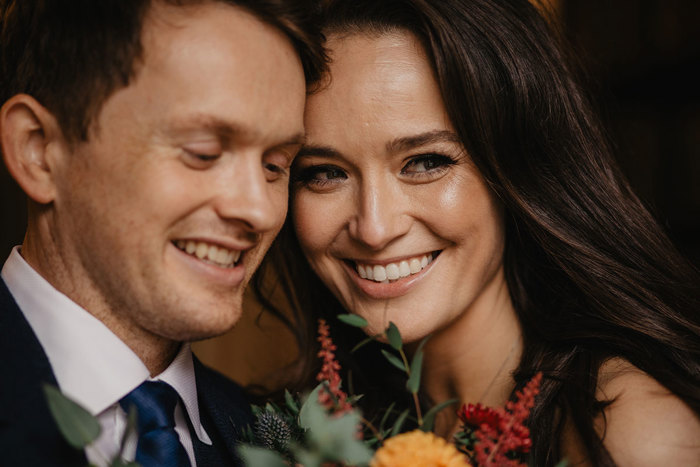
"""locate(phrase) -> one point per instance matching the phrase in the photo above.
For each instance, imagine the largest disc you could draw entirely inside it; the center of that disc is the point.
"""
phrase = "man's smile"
(210, 253)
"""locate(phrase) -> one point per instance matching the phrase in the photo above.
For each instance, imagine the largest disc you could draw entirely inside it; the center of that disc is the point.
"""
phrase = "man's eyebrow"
(299, 138)
(406, 143)
(212, 123)
(227, 129)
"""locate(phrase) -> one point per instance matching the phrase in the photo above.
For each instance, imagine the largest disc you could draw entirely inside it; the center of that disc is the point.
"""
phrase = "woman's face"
(387, 206)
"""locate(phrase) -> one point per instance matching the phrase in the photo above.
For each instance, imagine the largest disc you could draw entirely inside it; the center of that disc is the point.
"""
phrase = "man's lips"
(217, 255)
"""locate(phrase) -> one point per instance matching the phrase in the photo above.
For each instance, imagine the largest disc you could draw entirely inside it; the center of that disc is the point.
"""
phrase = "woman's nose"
(381, 214)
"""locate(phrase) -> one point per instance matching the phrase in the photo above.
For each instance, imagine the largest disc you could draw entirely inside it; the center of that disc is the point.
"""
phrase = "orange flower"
(418, 448)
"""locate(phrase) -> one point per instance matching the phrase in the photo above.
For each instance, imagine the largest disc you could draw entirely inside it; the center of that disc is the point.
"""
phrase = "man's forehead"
(231, 130)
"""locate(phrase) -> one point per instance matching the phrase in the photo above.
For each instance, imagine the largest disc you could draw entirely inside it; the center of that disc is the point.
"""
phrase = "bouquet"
(325, 428)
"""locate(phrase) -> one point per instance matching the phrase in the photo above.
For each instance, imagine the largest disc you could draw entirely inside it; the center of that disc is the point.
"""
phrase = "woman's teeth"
(394, 271)
(210, 253)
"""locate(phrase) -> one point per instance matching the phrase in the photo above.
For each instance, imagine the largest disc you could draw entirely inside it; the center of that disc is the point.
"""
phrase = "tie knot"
(155, 403)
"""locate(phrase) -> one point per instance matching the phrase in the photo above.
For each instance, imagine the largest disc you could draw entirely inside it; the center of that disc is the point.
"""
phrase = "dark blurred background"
(643, 63)
(642, 59)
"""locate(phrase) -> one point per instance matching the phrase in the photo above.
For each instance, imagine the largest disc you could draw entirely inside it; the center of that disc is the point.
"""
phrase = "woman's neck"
(473, 359)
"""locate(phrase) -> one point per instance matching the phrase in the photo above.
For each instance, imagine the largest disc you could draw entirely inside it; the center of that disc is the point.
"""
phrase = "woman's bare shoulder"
(645, 424)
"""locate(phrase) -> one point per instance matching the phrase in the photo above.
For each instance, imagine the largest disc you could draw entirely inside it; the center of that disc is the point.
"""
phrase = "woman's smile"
(410, 232)
(391, 278)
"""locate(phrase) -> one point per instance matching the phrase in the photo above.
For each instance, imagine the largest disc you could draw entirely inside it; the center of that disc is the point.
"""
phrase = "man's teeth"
(393, 271)
(210, 253)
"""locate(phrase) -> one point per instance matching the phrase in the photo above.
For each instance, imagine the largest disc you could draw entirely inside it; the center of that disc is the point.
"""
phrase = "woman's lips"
(395, 270)
(392, 279)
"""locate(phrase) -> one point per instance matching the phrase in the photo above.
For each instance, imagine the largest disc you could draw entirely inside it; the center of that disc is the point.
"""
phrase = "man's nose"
(245, 195)
(381, 214)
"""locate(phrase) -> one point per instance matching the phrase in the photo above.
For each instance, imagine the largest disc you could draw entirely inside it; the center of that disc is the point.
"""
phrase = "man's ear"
(30, 137)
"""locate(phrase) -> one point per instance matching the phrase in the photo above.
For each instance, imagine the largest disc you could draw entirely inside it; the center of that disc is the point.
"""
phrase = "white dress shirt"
(93, 366)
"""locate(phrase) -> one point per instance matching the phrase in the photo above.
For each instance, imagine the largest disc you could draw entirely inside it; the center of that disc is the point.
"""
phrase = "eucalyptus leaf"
(308, 414)
(394, 336)
(429, 417)
(308, 458)
(386, 416)
(76, 424)
(336, 439)
(353, 320)
(290, 402)
(131, 420)
(361, 344)
(422, 342)
(333, 438)
(254, 456)
(399, 423)
(394, 360)
(352, 400)
(413, 382)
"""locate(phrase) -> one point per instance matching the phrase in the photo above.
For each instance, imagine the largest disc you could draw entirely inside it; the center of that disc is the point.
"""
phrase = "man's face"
(167, 210)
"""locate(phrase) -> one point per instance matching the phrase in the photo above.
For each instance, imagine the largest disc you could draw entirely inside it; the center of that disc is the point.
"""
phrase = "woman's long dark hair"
(591, 274)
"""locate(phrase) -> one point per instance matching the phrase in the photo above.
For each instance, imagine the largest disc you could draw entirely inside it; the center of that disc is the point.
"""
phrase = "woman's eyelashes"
(427, 165)
(326, 176)
(319, 176)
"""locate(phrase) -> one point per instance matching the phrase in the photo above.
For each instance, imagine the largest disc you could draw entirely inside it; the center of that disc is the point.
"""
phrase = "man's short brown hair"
(71, 55)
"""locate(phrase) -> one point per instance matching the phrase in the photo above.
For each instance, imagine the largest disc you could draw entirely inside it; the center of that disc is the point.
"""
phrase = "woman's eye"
(320, 175)
(426, 163)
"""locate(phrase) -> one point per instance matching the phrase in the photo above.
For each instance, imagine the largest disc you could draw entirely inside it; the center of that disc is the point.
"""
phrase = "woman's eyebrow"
(403, 143)
(321, 151)
(406, 143)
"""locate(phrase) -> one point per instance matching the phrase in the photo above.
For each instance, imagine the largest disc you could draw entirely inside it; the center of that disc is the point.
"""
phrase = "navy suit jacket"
(28, 434)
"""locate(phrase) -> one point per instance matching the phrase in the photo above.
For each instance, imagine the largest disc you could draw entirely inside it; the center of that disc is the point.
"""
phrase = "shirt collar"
(180, 375)
(91, 364)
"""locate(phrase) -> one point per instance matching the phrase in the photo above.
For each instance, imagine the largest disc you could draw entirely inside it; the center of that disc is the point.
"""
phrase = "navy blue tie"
(158, 443)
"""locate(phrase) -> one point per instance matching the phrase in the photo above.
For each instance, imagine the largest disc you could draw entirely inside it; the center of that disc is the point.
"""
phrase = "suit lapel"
(28, 433)
(224, 411)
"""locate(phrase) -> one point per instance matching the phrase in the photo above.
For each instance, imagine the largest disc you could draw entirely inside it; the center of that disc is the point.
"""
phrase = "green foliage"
(353, 320)
(398, 424)
(362, 343)
(76, 424)
(429, 417)
(413, 382)
(290, 402)
(80, 428)
(393, 336)
(323, 437)
(306, 411)
(465, 439)
(331, 438)
(260, 457)
(387, 413)
(394, 360)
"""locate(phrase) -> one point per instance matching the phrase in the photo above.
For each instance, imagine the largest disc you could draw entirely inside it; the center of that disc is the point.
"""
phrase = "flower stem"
(419, 415)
